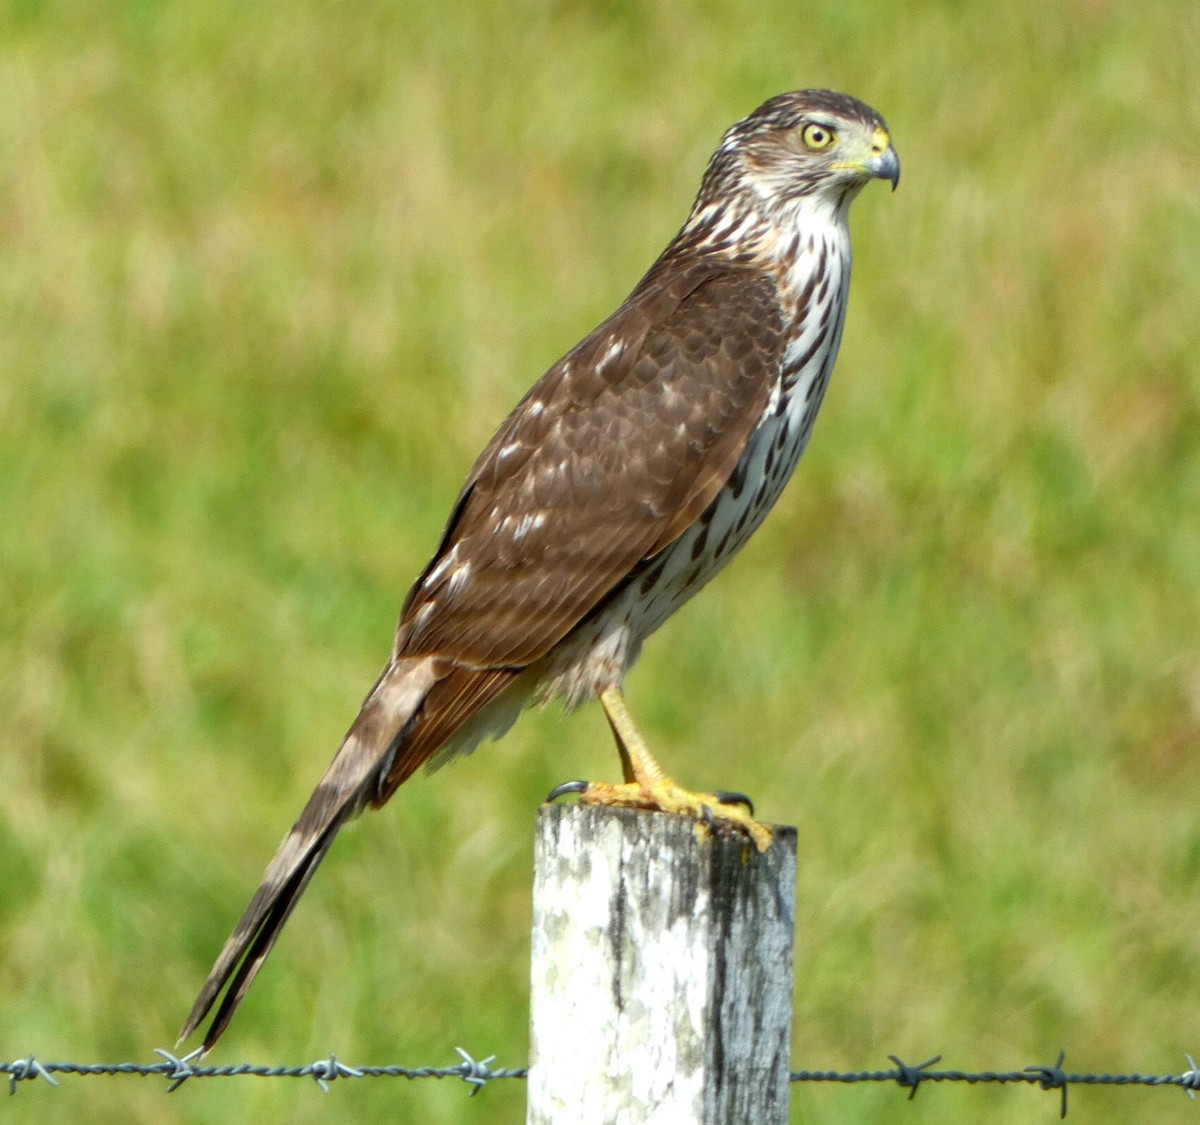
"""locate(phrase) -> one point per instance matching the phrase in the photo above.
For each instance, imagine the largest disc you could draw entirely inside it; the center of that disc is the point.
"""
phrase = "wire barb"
(178, 1070)
(325, 1071)
(1053, 1078)
(21, 1069)
(911, 1075)
(476, 1074)
(1190, 1078)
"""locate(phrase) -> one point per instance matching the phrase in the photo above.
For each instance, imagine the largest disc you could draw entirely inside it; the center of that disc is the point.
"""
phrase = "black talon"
(565, 788)
(728, 797)
(706, 815)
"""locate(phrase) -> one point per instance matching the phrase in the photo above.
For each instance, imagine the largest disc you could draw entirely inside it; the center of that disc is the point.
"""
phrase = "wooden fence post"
(661, 972)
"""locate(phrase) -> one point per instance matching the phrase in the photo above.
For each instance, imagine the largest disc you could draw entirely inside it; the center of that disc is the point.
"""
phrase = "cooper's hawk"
(635, 469)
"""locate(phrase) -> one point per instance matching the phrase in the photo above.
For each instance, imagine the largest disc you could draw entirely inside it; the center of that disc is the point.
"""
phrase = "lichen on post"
(661, 971)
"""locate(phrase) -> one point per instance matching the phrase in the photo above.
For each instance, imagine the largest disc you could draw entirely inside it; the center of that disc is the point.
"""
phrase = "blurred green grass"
(270, 276)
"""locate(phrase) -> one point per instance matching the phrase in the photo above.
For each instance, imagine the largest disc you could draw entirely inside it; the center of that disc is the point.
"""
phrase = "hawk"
(629, 475)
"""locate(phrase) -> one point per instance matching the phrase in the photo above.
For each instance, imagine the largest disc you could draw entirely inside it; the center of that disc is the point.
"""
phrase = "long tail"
(353, 779)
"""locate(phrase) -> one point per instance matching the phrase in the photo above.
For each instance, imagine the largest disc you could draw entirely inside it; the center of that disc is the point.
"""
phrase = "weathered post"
(661, 972)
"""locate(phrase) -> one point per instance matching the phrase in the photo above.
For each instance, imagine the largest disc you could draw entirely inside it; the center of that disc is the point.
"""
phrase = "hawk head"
(799, 145)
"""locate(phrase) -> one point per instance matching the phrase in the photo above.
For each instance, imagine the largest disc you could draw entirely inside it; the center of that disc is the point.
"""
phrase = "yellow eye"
(818, 137)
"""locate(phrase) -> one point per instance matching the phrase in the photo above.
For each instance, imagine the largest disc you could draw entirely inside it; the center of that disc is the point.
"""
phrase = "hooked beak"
(884, 165)
(878, 160)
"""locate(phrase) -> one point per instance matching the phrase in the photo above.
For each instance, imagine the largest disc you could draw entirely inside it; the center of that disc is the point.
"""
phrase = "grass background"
(271, 274)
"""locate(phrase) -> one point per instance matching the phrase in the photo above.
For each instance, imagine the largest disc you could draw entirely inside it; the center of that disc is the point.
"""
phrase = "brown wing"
(611, 455)
(614, 452)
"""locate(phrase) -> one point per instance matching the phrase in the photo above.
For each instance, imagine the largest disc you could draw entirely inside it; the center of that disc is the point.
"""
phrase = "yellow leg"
(638, 763)
(648, 787)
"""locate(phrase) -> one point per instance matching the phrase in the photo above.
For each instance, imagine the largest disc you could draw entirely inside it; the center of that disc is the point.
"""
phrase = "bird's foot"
(720, 809)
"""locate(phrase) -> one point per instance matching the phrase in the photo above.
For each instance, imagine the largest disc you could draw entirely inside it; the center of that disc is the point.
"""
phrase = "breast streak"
(602, 649)
(762, 472)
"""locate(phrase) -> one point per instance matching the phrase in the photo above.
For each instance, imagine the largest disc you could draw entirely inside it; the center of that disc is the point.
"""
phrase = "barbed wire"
(1046, 1077)
(477, 1073)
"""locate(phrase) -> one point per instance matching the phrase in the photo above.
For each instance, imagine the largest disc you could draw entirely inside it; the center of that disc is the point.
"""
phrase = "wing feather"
(612, 454)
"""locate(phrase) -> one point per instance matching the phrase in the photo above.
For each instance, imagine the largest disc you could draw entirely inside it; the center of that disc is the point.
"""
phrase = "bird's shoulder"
(714, 323)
